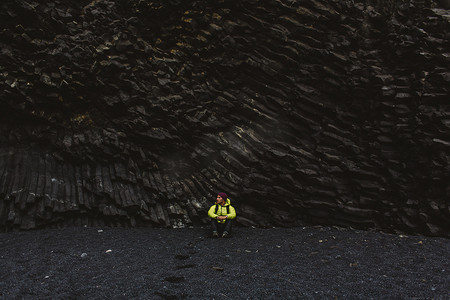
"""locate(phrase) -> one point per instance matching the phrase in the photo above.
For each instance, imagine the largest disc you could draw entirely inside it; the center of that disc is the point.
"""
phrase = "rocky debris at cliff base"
(276, 263)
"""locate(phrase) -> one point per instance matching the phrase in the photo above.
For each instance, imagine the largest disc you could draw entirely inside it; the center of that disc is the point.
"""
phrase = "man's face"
(219, 199)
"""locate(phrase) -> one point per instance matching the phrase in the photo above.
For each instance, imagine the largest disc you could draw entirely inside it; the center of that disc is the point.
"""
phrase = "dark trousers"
(221, 227)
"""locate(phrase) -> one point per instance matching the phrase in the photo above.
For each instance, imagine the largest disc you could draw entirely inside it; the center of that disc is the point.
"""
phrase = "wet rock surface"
(136, 113)
(152, 263)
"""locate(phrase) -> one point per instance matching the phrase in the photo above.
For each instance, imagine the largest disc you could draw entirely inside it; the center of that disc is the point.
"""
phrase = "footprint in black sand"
(184, 257)
(181, 256)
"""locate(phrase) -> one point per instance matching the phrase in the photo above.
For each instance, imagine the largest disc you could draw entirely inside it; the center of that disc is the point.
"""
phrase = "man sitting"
(222, 215)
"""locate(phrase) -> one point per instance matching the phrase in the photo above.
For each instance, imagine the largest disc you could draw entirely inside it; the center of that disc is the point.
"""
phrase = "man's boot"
(226, 234)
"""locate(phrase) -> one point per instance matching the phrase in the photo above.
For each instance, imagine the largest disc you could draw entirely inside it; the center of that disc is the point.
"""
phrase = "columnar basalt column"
(136, 113)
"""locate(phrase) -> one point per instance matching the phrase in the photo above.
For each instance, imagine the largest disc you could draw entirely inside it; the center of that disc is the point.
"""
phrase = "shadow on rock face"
(444, 3)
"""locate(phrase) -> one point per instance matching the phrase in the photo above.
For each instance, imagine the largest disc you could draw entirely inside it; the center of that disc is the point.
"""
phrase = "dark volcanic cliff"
(136, 113)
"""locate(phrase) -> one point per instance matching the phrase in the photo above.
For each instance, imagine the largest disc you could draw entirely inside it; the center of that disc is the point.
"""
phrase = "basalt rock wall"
(136, 113)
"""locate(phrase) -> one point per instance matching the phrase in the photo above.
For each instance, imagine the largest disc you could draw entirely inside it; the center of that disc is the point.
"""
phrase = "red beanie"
(223, 195)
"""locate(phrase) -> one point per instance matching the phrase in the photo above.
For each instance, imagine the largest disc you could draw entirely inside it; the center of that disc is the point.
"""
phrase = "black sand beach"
(277, 263)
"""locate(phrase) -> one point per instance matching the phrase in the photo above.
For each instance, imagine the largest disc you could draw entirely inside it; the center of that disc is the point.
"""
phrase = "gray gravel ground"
(278, 263)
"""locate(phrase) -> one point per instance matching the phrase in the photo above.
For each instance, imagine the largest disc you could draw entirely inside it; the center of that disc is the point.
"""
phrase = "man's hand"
(221, 218)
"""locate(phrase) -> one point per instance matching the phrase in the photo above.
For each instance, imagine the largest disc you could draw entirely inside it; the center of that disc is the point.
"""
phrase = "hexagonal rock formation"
(136, 113)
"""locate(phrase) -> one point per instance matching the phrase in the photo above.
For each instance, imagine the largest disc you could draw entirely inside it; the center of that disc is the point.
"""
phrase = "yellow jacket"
(222, 211)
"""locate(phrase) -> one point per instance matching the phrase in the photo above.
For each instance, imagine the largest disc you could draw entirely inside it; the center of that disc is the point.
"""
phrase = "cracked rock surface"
(136, 113)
